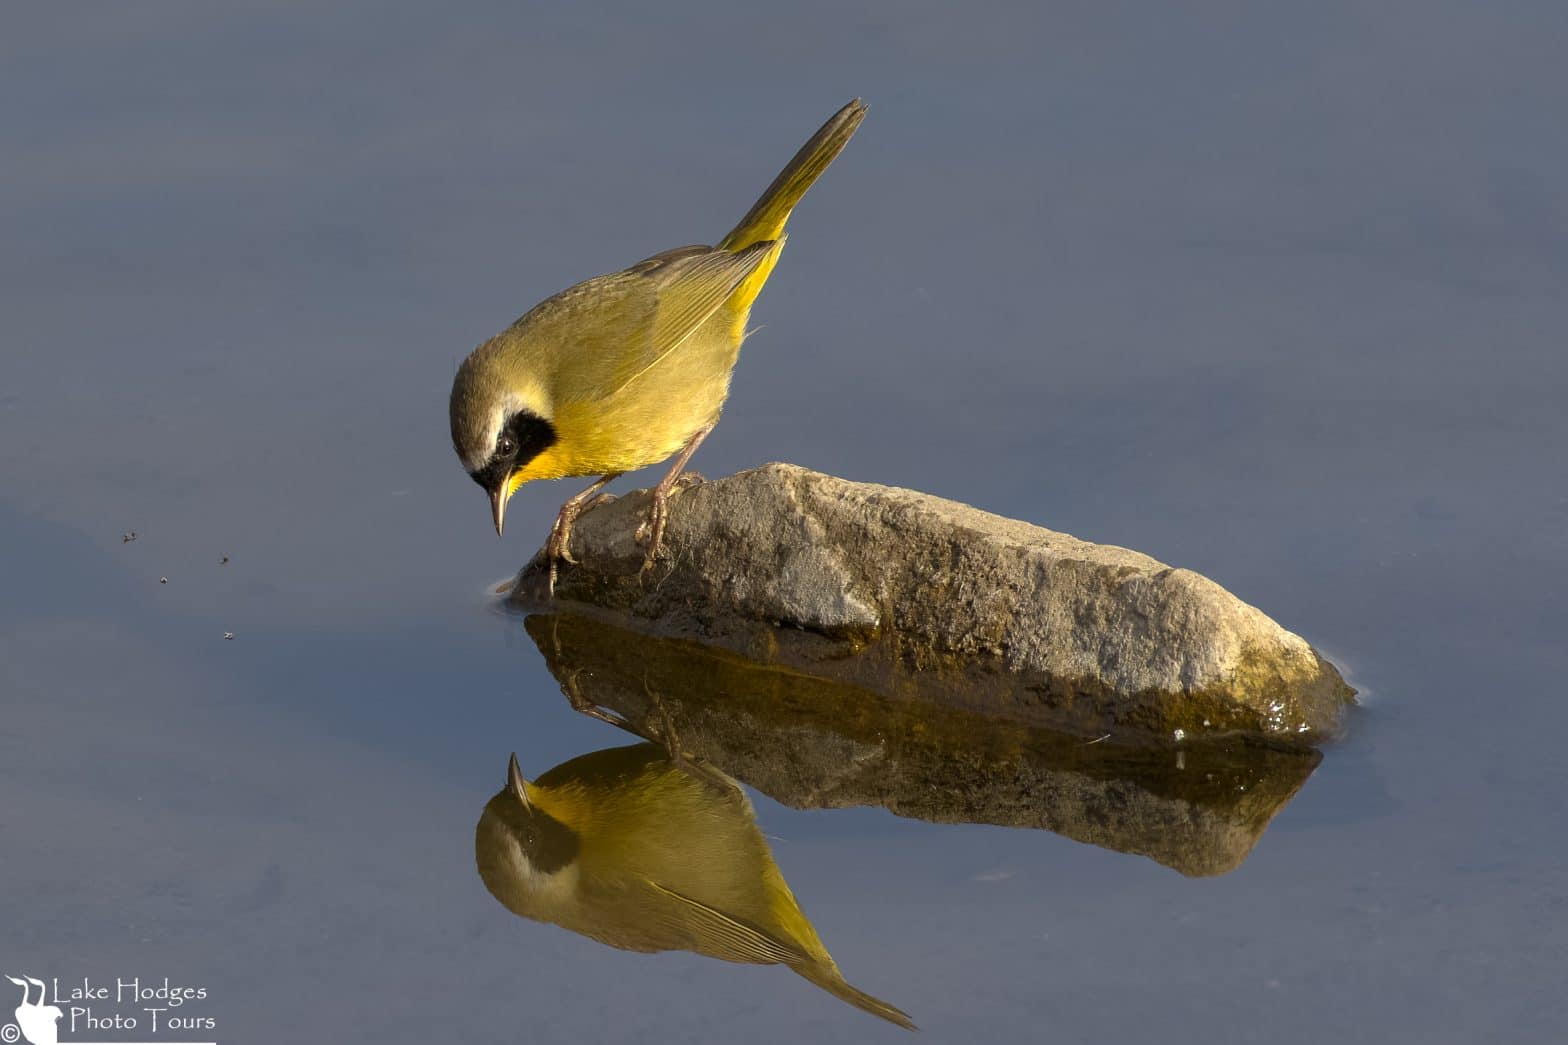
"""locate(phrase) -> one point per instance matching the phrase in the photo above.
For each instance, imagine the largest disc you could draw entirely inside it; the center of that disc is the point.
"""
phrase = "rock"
(876, 586)
(812, 742)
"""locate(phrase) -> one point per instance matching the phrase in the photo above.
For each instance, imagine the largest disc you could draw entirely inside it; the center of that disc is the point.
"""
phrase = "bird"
(644, 852)
(628, 369)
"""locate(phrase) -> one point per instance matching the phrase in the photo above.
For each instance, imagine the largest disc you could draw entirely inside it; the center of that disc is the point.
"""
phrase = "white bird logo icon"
(36, 1020)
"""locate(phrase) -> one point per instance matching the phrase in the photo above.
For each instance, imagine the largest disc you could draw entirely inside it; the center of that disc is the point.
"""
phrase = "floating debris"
(223, 561)
(127, 537)
(163, 580)
(228, 635)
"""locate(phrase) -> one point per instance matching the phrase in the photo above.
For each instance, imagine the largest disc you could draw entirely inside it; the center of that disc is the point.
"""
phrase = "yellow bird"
(624, 370)
(627, 847)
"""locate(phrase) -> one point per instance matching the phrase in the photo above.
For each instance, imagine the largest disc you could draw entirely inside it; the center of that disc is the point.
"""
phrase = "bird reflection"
(643, 852)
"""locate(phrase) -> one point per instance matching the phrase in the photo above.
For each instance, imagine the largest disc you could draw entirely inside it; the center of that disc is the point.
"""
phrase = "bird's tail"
(827, 976)
(765, 220)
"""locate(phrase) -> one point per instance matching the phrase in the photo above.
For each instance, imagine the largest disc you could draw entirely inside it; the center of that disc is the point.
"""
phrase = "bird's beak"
(498, 505)
(515, 781)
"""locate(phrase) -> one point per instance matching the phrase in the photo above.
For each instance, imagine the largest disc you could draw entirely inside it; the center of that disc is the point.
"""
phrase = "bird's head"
(526, 856)
(500, 423)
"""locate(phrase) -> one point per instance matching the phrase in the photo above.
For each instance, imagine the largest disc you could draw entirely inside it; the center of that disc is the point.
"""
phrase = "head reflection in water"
(642, 853)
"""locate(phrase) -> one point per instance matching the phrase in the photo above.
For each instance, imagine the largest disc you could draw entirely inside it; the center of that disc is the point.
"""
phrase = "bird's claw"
(560, 533)
(651, 532)
(557, 549)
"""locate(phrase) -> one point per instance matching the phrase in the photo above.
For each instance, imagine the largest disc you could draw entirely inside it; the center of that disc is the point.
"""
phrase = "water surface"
(1273, 295)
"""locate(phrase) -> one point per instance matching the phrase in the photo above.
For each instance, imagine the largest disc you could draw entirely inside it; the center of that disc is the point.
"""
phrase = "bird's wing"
(664, 257)
(689, 288)
(732, 939)
(604, 333)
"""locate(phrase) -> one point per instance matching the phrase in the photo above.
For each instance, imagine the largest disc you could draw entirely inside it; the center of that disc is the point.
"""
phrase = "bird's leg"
(694, 765)
(664, 733)
(555, 549)
(582, 705)
(652, 528)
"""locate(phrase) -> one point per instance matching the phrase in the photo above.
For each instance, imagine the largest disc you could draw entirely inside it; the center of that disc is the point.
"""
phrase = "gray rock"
(882, 587)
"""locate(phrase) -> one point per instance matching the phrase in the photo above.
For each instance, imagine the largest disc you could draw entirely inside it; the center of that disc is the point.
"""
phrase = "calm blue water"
(1273, 294)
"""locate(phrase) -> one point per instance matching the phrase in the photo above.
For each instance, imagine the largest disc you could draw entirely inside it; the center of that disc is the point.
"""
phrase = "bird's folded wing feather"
(731, 938)
(605, 333)
(689, 289)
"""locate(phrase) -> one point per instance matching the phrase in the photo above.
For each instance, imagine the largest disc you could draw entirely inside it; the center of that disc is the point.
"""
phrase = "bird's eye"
(506, 446)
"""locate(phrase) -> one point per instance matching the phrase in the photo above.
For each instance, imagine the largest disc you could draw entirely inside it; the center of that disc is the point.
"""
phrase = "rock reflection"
(810, 742)
(642, 852)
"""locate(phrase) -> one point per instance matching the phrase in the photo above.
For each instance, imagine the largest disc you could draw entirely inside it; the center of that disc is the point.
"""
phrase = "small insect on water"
(223, 561)
(228, 635)
(163, 580)
(127, 537)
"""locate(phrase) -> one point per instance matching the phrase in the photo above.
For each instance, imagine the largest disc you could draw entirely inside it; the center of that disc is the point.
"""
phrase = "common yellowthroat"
(621, 371)
(630, 848)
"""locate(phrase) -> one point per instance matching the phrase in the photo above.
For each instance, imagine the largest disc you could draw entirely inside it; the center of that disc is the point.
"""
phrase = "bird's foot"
(557, 549)
(651, 532)
(645, 528)
(652, 528)
(661, 725)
